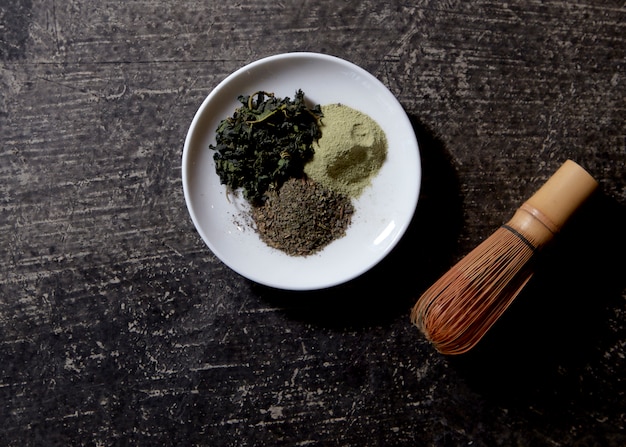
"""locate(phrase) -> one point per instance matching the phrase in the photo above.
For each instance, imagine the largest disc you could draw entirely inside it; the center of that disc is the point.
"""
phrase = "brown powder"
(302, 217)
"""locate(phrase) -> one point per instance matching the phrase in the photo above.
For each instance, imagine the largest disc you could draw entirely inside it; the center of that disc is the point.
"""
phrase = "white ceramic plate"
(382, 213)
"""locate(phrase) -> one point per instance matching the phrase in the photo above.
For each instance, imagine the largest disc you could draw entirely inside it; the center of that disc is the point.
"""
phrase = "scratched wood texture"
(119, 327)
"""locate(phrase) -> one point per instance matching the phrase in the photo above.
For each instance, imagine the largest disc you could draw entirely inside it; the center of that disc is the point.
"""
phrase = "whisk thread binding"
(520, 236)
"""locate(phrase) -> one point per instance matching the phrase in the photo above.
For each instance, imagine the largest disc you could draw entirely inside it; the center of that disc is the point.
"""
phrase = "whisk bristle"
(458, 310)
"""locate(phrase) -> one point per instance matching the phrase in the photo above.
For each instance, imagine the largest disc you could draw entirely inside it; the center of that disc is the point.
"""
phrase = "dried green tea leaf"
(265, 142)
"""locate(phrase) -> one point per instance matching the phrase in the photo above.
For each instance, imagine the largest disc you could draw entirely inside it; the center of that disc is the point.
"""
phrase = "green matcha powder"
(350, 152)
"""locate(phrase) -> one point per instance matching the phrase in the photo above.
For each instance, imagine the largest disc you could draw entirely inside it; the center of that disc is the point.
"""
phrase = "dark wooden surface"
(118, 326)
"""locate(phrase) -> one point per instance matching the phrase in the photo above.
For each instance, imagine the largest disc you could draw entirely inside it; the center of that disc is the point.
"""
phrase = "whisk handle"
(561, 195)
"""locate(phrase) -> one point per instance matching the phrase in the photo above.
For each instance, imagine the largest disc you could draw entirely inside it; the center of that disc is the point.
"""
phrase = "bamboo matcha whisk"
(458, 309)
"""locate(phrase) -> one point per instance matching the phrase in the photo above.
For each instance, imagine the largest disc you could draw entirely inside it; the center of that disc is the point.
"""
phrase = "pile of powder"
(302, 217)
(349, 153)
